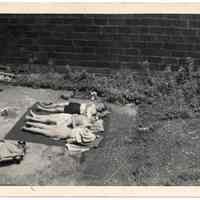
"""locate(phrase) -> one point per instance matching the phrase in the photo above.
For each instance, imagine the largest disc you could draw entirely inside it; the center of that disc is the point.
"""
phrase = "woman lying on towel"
(88, 109)
(79, 135)
(67, 120)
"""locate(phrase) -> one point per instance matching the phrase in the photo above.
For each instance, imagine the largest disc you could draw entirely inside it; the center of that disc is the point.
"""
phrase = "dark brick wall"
(99, 41)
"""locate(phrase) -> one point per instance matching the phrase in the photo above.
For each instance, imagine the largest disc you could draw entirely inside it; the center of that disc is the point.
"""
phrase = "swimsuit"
(73, 108)
(88, 110)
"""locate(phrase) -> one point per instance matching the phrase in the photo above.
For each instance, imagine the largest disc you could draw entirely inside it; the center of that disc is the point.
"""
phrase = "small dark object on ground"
(8, 112)
(4, 112)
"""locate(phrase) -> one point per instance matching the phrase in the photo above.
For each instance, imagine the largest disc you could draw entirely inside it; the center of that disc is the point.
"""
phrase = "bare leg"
(51, 110)
(37, 125)
(49, 130)
(54, 105)
(59, 119)
(36, 130)
(39, 118)
(79, 135)
(33, 119)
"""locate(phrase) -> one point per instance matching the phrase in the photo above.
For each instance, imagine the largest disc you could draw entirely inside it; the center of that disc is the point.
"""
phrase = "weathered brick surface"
(99, 41)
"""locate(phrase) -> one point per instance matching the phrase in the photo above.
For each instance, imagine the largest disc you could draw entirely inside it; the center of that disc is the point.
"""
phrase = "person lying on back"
(66, 120)
(90, 110)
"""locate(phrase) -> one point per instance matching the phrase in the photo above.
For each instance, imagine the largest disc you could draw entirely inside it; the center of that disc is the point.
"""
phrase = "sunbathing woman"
(90, 110)
(67, 120)
(60, 119)
(79, 134)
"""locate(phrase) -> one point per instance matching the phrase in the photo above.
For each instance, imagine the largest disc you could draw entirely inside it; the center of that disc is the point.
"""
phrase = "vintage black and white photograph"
(100, 99)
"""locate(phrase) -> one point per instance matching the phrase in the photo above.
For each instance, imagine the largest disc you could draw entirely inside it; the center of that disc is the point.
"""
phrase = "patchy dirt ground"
(170, 155)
